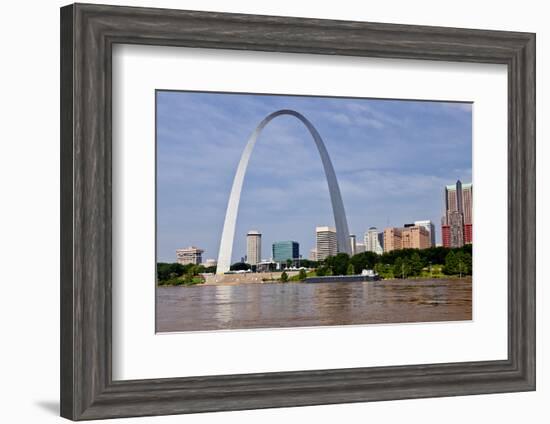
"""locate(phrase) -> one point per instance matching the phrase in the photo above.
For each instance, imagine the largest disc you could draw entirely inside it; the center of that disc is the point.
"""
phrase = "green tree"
(302, 275)
(464, 263)
(170, 271)
(384, 270)
(364, 260)
(284, 277)
(188, 279)
(451, 263)
(338, 263)
(402, 267)
(240, 266)
(468, 259)
(350, 270)
(308, 264)
(288, 263)
(321, 271)
(398, 268)
(416, 264)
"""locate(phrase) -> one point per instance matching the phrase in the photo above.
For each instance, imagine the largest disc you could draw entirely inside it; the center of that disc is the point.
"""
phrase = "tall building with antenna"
(456, 224)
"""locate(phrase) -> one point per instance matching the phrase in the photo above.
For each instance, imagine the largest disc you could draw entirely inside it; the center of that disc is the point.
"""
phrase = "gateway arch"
(340, 221)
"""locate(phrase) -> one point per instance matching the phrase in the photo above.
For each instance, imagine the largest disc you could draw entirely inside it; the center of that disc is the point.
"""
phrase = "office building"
(353, 244)
(410, 236)
(456, 224)
(360, 248)
(285, 250)
(445, 233)
(325, 242)
(467, 199)
(428, 225)
(313, 254)
(210, 262)
(392, 239)
(374, 241)
(253, 247)
(189, 255)
(415, 237)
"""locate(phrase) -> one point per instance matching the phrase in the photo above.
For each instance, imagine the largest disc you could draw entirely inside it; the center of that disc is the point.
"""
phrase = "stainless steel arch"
(340, 221)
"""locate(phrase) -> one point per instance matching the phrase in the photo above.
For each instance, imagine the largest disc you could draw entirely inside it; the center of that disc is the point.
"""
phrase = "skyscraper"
(253, 247)
(456, 224)
(325, 238)
(456, 229)
(467, 198)
(374, 241)
(285, 250)
(353, 244)
(428, 225)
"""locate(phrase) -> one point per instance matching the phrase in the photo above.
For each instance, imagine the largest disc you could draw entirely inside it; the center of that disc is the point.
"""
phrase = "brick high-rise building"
(409, 237)
(392, 239)
(445, 233)
(456, 224)
(467, 198)
(415, 237)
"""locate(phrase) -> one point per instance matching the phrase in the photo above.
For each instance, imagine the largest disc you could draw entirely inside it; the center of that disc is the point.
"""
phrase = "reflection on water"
(306, 305)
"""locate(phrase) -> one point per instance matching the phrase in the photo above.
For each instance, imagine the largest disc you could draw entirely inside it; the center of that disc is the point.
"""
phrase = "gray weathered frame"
(88, 33)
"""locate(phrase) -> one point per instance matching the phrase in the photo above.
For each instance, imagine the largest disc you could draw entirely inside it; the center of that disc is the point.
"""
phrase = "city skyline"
(257, 245)
(417, 235)
(373, 239)
(380, 169)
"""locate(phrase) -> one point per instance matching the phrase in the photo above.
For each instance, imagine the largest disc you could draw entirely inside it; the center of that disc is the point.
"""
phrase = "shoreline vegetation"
(410, 264)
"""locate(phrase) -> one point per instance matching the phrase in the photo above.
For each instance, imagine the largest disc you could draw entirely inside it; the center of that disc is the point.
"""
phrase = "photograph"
(278, 211)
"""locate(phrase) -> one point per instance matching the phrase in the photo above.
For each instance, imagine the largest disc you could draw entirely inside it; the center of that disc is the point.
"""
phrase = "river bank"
(273, 278)
(245, 278)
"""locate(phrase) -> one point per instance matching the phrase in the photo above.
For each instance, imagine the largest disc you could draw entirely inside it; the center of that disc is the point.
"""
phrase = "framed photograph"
(263, 211)
(405, 273)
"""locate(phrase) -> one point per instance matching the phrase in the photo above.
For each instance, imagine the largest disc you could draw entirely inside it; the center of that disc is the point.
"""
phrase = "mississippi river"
(276, 305)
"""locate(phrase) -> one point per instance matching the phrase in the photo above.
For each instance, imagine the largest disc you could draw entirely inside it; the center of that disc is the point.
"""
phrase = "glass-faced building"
(284, 250)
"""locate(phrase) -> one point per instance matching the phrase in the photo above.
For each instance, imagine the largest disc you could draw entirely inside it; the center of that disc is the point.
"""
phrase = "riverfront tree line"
(174, 274)
(404, 263)
(434, 262)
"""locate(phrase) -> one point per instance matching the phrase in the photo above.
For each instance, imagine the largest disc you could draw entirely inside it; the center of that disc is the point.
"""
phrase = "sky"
(392, 159)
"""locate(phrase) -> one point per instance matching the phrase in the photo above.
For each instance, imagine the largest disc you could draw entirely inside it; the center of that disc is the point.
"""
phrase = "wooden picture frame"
(88, 33)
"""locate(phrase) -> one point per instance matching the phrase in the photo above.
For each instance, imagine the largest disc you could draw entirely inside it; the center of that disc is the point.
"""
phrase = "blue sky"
(392, 159)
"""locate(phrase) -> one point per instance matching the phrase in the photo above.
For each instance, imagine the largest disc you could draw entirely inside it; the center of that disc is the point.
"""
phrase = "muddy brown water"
(277, 305)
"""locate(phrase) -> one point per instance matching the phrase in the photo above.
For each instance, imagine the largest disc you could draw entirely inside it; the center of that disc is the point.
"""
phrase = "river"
(276, 305)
